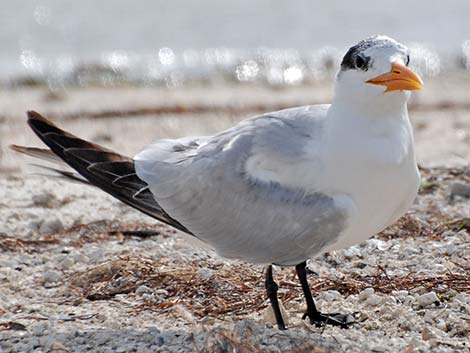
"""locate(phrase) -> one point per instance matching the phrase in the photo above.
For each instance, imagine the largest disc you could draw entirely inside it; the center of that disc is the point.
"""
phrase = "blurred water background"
(173, 43)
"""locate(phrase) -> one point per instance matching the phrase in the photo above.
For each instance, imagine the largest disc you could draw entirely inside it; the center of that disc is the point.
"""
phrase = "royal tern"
(282, 187)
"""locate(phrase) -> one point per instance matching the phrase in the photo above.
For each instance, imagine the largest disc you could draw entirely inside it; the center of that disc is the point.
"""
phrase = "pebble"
(41, 328)
(459, 189)
(79, 258)
(143, 290)
(205, 273)
(441, 325)
(102, 338)
(427, 299)
(450, 249)
(427, 334)
(161, 293)
(8, 263)
(400, 293)
(408, 300)
(51, 276)
(373, 300)
(351, 252)
(51, 226)
(34, 225)
(429, 316)
(67, 263)
(45, 199)
(330, 295)
(364, 294)
(58, 347)
(96, 255)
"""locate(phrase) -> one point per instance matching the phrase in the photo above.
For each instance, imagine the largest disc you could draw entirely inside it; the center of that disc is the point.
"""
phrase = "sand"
(81, 272)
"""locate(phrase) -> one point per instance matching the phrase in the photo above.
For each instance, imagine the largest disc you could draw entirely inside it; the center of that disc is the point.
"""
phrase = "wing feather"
(96, 165)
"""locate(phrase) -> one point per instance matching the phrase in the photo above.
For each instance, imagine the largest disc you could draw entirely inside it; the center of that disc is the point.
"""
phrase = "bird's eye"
(407, 60)
(360, 62)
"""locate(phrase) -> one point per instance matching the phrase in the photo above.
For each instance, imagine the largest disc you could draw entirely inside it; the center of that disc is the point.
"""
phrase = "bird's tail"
(94, 165)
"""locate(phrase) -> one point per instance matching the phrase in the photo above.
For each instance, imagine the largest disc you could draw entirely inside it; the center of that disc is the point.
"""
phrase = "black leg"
(271, 290)
(316, 317)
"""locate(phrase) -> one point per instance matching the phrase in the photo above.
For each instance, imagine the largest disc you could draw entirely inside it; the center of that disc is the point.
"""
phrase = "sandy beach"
(80, 271)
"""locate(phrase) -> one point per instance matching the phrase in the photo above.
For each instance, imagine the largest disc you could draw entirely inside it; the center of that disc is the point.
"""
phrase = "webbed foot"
(319, 319)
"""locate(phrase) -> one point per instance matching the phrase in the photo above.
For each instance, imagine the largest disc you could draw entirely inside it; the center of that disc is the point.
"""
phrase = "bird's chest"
(380, 175)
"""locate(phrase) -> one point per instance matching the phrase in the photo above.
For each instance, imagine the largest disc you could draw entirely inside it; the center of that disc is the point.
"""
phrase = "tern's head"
(376, 71)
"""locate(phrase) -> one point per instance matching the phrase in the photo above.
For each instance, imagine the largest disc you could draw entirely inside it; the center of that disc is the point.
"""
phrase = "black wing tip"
(34, 117)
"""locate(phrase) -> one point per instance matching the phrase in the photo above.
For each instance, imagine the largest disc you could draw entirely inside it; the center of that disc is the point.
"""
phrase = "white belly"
(381, 196)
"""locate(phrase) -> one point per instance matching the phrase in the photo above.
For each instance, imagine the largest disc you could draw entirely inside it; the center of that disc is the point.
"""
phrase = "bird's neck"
(379, 135)
(382, 116)
(378, 108)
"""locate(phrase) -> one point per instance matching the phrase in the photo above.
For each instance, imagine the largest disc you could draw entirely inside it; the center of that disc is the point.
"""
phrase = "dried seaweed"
(79, 235)
(233, 109)
(235, 289)
(8, 243)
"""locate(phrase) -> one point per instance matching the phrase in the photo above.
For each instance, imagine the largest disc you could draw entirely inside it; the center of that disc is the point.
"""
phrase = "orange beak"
(399, 78)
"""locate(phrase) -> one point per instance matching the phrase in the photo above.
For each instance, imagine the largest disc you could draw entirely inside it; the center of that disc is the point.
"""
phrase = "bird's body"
(278, 188)
(288, 185)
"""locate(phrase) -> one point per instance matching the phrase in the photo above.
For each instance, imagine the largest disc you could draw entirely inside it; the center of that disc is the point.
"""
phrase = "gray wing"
(205, 185)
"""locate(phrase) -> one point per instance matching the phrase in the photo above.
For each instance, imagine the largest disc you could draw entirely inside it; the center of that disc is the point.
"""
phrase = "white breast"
(376, 167)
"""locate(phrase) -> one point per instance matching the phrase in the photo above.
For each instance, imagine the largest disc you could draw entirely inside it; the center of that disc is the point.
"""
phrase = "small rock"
(34, 225)
(41, 328)
(397, 312)
(364, 294)
(101, 317)
(143, 290)
(373, 300)
(8, 263)
(67, 263)
(351, 252)
(418, 290)
(429, 316)
(400, 293)
(427, 299)
(459, 189)
(50, 226)
(408, 300)
(273, 349)
(441, 325)
(162, 292)
(80, 258)
(205, 273)
(450, 249)
(427, 334)
(184, 313)
(102, 339)
(51, 276)
(58, 347)
(153, 330)
(329, 295)
(96, 255)
(45, 199)
(378, 244)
